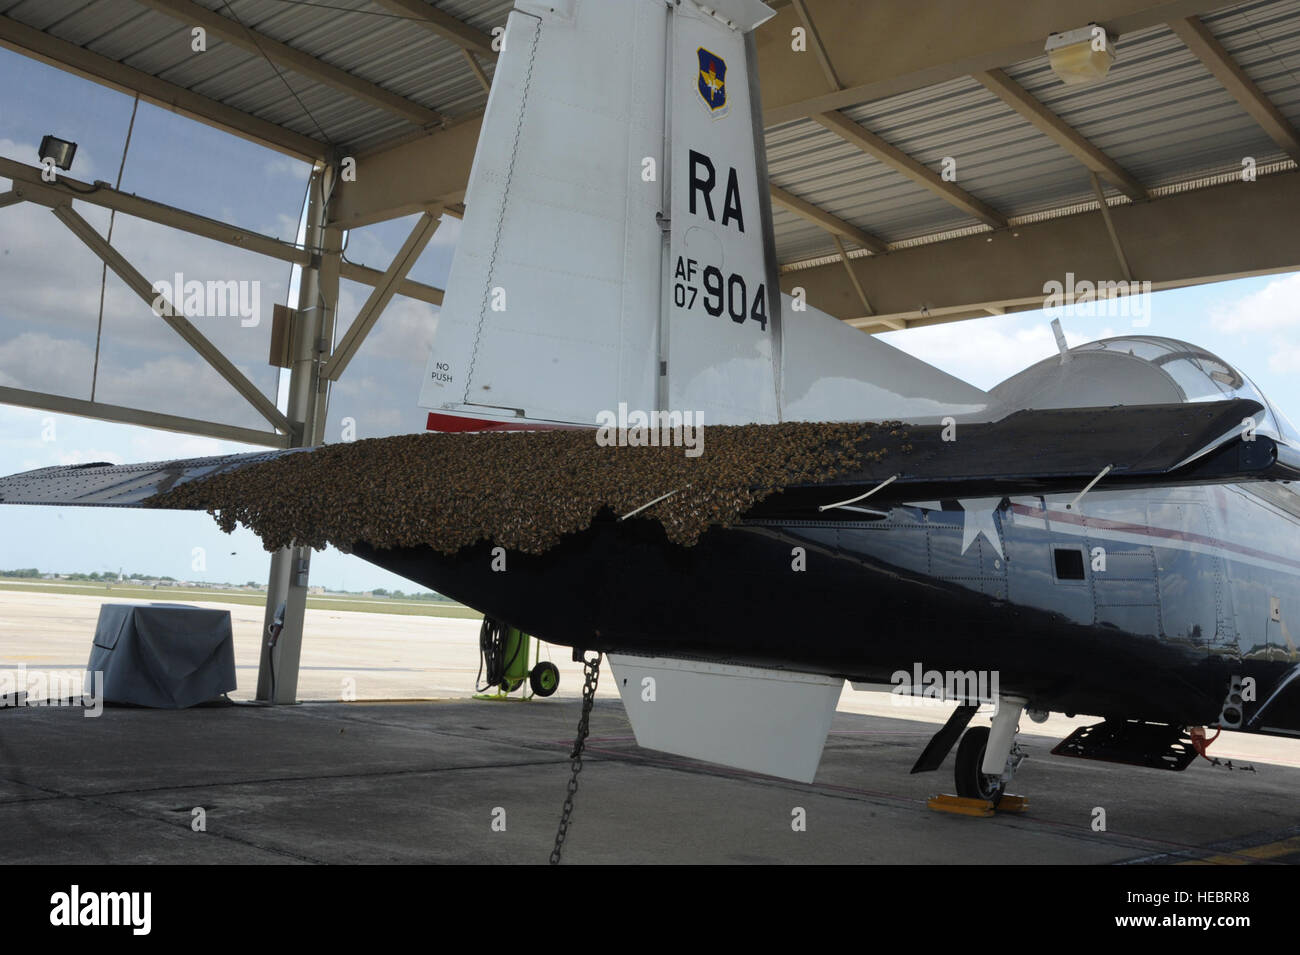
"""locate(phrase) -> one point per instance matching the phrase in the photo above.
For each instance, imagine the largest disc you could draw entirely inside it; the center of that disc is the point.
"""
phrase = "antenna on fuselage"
(1060, 341)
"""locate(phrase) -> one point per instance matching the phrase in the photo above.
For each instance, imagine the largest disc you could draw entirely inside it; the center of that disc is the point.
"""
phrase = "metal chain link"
(591, 676)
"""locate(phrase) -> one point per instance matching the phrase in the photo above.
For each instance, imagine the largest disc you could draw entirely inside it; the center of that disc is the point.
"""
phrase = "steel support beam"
(9, 198)
(466, 37)
(477, 71)
(181, 325)
(921, 174)
(831, 223)
(277, 673)
(815, 41)
(1104, 207)
(922, 44)
(1187, 238)
(382, 294)
(300, 62)
(431, 170)
(61, 404)
(1196, 36)
(411, 289)
(30, 186)
(1059, 132)
(75, 59)
(848, 267)
(331, 269)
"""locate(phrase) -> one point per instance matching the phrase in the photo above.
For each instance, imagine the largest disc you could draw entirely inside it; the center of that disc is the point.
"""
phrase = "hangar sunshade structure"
(927, 163)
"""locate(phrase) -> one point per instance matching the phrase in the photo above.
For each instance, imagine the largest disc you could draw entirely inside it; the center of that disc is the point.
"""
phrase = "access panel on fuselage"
(1192, 585)
(1261, 552)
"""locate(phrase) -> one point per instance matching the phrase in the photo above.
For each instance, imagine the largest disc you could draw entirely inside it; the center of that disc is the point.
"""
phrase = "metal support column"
(277, 674)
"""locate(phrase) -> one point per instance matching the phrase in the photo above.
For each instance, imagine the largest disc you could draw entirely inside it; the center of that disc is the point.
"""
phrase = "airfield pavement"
(375, 782)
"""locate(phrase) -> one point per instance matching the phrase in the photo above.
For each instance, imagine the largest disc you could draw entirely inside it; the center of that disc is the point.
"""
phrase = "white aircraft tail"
(617, 244)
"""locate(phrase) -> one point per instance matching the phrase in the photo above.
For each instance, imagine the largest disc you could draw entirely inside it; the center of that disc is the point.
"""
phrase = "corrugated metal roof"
(359, 37)
(1264, 39)
(1159, 114)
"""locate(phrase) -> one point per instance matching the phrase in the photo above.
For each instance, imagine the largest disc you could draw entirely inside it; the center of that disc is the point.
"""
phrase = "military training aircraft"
(1111, 532)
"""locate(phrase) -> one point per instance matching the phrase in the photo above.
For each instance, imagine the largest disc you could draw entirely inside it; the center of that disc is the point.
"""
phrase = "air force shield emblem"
(713, 82)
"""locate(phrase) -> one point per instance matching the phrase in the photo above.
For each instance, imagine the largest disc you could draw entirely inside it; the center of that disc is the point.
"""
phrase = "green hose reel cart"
(511, 660)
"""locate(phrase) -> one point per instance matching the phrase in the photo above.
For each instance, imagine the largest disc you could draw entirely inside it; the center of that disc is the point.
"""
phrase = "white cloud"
(1272, 308)
(1285, 360)
(36, 361)
(404, 332)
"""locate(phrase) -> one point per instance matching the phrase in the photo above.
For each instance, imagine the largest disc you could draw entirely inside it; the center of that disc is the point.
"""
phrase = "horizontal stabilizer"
(764, 721)
(833, 372)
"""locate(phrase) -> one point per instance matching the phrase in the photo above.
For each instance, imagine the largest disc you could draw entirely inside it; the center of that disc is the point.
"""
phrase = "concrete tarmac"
(424, 782)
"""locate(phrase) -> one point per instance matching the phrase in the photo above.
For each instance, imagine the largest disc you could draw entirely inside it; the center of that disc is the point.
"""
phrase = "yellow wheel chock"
(961, 806)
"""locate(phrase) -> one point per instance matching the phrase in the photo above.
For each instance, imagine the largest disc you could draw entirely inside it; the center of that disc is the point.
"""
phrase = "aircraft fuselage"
(1136, 604)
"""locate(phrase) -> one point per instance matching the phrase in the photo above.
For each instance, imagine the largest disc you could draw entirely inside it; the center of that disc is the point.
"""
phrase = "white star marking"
(979, 520)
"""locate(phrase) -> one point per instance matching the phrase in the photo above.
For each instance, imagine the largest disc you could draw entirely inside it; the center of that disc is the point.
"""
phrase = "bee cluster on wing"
(521, 490)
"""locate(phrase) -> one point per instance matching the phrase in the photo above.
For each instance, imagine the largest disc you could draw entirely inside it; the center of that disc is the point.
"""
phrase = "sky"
(50, 301)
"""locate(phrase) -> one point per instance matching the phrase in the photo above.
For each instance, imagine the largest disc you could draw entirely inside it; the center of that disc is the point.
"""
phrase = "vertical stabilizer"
(617, 247)
(617, 132)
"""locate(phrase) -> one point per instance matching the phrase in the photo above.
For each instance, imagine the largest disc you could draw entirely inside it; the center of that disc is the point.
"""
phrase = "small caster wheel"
(544, 679)
(972, 783)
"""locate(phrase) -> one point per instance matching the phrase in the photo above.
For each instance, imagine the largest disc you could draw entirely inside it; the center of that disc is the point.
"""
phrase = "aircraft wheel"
(972, 783)
(544, 679)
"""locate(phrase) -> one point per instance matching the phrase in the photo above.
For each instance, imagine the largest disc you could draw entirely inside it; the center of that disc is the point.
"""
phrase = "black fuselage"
(1172, 593)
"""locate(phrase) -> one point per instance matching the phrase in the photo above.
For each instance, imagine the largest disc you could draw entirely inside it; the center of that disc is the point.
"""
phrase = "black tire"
(972, 783)
(545, 678)
(509, 686)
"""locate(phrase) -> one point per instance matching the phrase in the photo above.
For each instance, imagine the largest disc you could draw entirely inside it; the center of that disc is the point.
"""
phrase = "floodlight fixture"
(1081, 56)
(59, 150)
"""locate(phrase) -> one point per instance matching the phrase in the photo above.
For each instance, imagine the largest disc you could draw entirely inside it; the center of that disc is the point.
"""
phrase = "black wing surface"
(1028, 452)
(1059, 451)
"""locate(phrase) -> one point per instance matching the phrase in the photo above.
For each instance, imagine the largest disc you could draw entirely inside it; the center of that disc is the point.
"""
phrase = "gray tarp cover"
(163, 655)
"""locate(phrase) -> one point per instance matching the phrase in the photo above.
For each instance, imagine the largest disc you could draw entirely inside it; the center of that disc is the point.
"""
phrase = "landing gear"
(972, 781)
(988, 757)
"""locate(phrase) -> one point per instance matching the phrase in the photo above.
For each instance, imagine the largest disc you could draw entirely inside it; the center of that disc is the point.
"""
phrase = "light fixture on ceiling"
(59, 150)
(1081, 56)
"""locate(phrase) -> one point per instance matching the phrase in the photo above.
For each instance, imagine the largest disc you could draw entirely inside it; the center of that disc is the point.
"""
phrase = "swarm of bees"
(523, 490)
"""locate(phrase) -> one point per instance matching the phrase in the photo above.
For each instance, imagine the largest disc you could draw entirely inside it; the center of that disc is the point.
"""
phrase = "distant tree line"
(110, 577)
(381, 592)
(107, 575)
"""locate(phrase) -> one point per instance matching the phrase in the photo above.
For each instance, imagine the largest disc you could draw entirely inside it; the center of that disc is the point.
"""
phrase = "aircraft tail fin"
(617, 244)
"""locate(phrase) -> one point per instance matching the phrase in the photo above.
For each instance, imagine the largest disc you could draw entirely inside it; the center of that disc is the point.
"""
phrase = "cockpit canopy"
(1136, 369)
